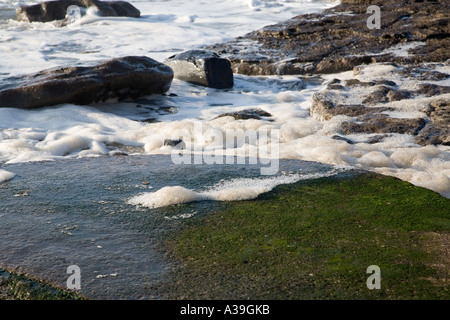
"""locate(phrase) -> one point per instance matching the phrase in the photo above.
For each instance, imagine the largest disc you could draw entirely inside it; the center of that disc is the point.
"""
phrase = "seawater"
(85, 212)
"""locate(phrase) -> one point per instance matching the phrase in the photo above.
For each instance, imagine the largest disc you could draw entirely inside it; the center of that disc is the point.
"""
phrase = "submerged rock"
(246, 114)
(202, 67)
(127, 77)
(57, 10)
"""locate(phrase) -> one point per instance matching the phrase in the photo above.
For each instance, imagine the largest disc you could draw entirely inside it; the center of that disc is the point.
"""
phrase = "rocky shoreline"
(396, 82)
(411, 45)
(338, 39)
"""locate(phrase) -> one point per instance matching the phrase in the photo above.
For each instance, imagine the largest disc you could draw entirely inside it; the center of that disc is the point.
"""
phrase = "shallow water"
(76, 212)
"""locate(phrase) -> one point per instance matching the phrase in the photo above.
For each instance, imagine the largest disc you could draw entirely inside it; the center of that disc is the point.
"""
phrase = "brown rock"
(127, 77)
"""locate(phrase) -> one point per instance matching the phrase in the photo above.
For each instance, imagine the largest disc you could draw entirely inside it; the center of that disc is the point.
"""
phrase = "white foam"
(230, 190)
(6, 175)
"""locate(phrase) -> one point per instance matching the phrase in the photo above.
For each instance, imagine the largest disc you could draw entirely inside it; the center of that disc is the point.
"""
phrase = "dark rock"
(384, 125)
(337, 39)
(437, 131)
(124, 9)
(397, 95)
(429, 89)
(434, 135)
(332, 86)
(423, 74)
(336, 137)
(202, 67)
(246, 114)
(376, 139)
(57, 10)
(326, 106)
(371, 119)
(358, 83)
(177, 144)
(121, 78)
(379, 95)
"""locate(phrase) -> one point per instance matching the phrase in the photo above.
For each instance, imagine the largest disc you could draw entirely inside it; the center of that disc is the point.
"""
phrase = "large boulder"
(121, 78)
(57, 10)
(202, 67)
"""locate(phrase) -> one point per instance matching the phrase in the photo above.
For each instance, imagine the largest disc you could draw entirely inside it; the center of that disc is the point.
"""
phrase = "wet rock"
(357, 83)
(57, 10)
(326, 106)
(202, 67)
(429, 89)
(246, 114)
(384, 94)
(177, 144)
(397, 95)
(382, 124)
(121, 78)
(378, 95)
(424, 74)
(376, 138)
(376, 112)
(336, 137)
(338, 39)
(437, 131)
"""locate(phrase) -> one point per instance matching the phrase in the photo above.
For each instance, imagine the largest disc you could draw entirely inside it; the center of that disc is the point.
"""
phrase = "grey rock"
(202, 67)
(121, 78)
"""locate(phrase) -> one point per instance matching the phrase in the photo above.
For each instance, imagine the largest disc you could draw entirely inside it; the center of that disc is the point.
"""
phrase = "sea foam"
(229, 190)
(6, 175)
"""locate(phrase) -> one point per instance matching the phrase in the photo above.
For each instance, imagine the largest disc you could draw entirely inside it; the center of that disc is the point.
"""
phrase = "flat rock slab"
(57, 10)
(202, 67)
(121, 78)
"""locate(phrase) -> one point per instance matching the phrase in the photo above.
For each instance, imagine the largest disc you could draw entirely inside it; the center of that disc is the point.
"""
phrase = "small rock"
(336, 137)
(246, 114)
(202, 67)
(177, 144)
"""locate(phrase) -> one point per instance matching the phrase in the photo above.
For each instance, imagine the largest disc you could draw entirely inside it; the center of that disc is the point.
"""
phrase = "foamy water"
(6, 175)
(231, 190)
(168, 27)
